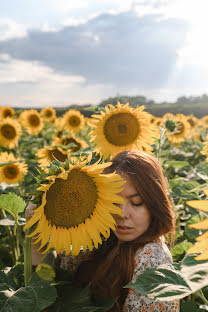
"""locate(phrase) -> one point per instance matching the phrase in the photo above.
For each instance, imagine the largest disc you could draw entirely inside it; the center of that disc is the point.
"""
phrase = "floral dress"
(150, 256)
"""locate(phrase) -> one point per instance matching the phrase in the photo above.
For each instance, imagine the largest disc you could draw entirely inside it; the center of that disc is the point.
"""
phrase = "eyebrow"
(133, 195)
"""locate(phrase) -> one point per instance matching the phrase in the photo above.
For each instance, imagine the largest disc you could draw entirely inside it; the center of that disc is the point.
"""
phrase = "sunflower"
(182, 131)
(73, 121)
(76, 208)
(49, 153)
(66, 140)
(202, 240)
(10, 132)
(6, 111)
(31, 121)
(121, 128)
(12, 173)
(48, 113)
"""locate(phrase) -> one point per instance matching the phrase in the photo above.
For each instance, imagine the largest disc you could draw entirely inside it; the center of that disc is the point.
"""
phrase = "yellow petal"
(199, 204)
(200, 225)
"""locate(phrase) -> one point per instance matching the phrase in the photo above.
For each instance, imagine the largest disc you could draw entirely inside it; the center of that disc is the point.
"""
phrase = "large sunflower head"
(48, 113)
(77, 144)
(31, 121)
(10, 132)
(49, 153)
(202, 245)
(75, 210)
(14, 172)
(121, 128)
(6, 111)
(182, 131)
(73, 121)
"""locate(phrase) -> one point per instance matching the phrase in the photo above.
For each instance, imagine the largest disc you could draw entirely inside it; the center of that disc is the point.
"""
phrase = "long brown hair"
(111, 267)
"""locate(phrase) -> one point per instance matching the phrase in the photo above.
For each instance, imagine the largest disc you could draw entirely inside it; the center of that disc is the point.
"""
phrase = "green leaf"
(167, 284)
(191, 233)
(188, 306)
(202, 170)
(12, 203)
(177, 164)
(38, 295)
(180, 249)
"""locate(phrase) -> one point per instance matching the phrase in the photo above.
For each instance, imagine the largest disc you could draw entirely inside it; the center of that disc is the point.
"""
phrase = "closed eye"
(137, 205)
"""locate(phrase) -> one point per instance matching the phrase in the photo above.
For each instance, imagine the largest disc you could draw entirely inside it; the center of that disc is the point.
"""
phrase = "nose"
(126, 211)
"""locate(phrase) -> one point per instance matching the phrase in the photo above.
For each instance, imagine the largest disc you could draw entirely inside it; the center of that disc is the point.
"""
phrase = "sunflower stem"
(27, 257)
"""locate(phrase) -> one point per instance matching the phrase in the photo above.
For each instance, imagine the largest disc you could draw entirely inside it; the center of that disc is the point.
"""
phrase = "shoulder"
(151, 255)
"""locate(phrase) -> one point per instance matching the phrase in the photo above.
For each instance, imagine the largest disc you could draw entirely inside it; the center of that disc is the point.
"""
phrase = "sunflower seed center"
(48, 113)
(11, 171)
(55, 154)
(74, 121)
(7, 113)
(66, 141)
(70, 202)
(34, 120)
(121, 129)
(8, 131)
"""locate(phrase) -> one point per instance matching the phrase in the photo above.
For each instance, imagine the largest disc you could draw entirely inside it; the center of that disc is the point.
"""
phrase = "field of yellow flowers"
(57, 162)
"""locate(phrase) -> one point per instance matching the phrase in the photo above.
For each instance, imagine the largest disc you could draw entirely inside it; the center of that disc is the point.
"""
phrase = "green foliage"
(38, 295)
(13, 204)
(74, 299)
(169, 283)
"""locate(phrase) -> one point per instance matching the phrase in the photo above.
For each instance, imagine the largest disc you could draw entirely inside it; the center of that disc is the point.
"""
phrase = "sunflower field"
(56, 164)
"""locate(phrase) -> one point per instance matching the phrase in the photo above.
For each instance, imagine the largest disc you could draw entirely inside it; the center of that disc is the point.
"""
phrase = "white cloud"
(10, 29)
(16, 71)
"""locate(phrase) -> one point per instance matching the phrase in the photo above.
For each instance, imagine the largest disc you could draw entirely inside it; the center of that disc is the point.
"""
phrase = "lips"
(124, 227)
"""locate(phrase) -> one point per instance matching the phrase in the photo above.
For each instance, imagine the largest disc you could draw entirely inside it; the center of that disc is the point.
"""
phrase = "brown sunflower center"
(66, 141)
(11, 171)
(48, 113)
(70, 202)
(74, 121)
(192, 123)
(34, 120)
(121, 129)
(8, 131)
(180, 128)
(56, 154)
(7, 113)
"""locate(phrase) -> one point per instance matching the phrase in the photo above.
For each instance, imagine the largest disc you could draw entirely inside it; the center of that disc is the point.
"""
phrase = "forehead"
(129, 188)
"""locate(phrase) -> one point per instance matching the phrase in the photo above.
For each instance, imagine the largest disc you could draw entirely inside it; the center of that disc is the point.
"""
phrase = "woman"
(138, 241)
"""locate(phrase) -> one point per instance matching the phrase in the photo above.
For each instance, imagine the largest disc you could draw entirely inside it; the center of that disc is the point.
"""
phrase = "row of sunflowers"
(60, 159)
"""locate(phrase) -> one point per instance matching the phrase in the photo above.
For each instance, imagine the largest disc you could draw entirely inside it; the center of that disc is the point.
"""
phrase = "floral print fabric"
(151, 255)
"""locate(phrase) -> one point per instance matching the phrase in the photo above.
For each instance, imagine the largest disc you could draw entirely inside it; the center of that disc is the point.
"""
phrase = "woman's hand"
(29, 211)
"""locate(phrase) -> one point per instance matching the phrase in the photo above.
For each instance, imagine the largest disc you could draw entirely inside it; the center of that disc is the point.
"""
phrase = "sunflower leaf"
(38, 295)
(12, 203)
(167, 283)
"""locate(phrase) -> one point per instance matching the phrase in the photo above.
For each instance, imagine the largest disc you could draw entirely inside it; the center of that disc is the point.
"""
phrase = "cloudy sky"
(63, 52)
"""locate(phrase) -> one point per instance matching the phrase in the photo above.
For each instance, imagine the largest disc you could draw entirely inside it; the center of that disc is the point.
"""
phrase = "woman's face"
(136, 214)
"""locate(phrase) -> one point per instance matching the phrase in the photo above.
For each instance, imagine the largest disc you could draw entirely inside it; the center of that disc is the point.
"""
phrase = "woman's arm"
(37, 256)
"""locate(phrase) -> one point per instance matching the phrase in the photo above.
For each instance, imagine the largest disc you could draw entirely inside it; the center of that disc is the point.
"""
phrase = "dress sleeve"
(151, 255)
